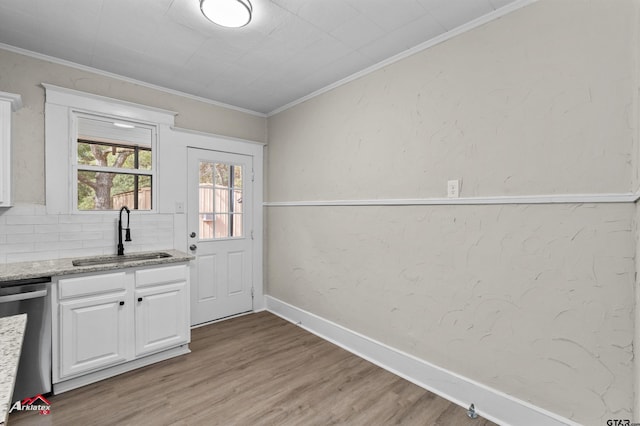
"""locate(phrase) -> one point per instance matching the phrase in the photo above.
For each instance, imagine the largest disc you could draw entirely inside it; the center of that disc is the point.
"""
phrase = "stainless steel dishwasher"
(30, 296)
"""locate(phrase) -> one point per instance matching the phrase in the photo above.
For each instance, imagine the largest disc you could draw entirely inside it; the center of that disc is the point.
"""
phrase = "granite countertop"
(11, 335)
(57, 267)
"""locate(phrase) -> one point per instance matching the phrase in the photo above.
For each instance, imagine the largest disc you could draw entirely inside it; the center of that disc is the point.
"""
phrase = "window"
(220, 200)
(114, 164)
(102, 152)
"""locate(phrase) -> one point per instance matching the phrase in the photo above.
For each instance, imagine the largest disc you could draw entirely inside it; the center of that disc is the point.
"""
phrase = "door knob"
(193, 247)
(192, 235)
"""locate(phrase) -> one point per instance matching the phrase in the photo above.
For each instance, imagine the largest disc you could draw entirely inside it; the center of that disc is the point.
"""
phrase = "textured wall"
(23, 75)
(550, 87)
(534, 300)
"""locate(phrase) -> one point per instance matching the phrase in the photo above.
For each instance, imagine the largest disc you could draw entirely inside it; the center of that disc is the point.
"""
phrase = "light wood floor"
(253, 370)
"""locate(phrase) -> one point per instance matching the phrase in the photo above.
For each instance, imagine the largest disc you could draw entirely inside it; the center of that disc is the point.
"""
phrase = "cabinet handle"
(121, 303)
(139, 299)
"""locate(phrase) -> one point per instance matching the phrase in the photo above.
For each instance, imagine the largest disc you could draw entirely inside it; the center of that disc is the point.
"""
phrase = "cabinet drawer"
(95, 284)
(155, 276)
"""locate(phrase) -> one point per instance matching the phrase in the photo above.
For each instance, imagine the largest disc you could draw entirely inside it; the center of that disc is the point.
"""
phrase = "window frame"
(76, 166)
(61, 107)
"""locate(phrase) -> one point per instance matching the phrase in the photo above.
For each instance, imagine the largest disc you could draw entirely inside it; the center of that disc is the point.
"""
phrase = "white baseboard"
(489, 403)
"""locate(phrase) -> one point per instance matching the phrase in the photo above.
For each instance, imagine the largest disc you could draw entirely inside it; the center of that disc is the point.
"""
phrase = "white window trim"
(61, 108)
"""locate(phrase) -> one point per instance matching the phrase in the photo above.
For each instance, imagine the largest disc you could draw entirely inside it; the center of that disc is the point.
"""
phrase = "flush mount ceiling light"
(228, 13)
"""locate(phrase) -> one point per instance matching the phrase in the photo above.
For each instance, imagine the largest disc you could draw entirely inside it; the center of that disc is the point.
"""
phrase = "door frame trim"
(212, 142)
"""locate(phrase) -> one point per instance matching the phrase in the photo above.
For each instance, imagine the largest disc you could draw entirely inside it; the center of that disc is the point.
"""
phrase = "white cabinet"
(104, 324)
(93, 323)
(8, 102)
(161, 318)
(93, 333)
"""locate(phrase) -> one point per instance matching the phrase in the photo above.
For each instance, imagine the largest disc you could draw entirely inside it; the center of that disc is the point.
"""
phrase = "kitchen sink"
(109, 260)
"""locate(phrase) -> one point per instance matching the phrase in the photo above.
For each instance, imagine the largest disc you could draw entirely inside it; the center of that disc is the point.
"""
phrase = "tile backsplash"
(28, 233)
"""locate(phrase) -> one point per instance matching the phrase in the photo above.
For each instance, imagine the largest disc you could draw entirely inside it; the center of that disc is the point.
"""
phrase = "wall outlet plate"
(453, 188)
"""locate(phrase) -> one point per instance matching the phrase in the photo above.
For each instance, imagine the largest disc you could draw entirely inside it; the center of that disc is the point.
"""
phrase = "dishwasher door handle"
(23, 296)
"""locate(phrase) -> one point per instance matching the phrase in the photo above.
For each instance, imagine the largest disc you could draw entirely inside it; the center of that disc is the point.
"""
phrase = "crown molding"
(86, 68)
(518, 4)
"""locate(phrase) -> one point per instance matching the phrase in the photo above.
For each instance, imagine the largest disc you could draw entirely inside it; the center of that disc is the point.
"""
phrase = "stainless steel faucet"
(127, 236)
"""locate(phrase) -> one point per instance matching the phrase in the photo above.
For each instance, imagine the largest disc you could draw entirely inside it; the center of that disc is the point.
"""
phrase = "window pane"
(237, 177)
(118, 156)
(221, 200)
(103, 144)
(144, 193)
(221, 226)
(206, 200)
(237, 201)
(222, 175)
(111, 191)
(144, 159)
(206, 172)
(236, 226)
(206, 226)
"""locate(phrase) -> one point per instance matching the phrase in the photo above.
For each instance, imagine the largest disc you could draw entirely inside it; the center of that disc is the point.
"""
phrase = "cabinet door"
(93, 332)
(161, 317)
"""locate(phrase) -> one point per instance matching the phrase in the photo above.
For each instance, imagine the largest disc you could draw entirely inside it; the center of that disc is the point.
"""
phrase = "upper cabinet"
(9, 102)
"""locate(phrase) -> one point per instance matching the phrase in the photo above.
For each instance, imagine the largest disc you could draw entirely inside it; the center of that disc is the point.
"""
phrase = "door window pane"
(236, 225)
(220, 200)
(222, 175)
(237, 177)
(237, 201)
(206, 226)
(221, 226)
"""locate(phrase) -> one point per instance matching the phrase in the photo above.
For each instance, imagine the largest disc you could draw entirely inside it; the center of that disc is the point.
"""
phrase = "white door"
(219, 217)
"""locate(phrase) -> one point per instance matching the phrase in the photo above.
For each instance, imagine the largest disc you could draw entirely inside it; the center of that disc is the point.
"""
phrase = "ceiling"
(290, 49)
